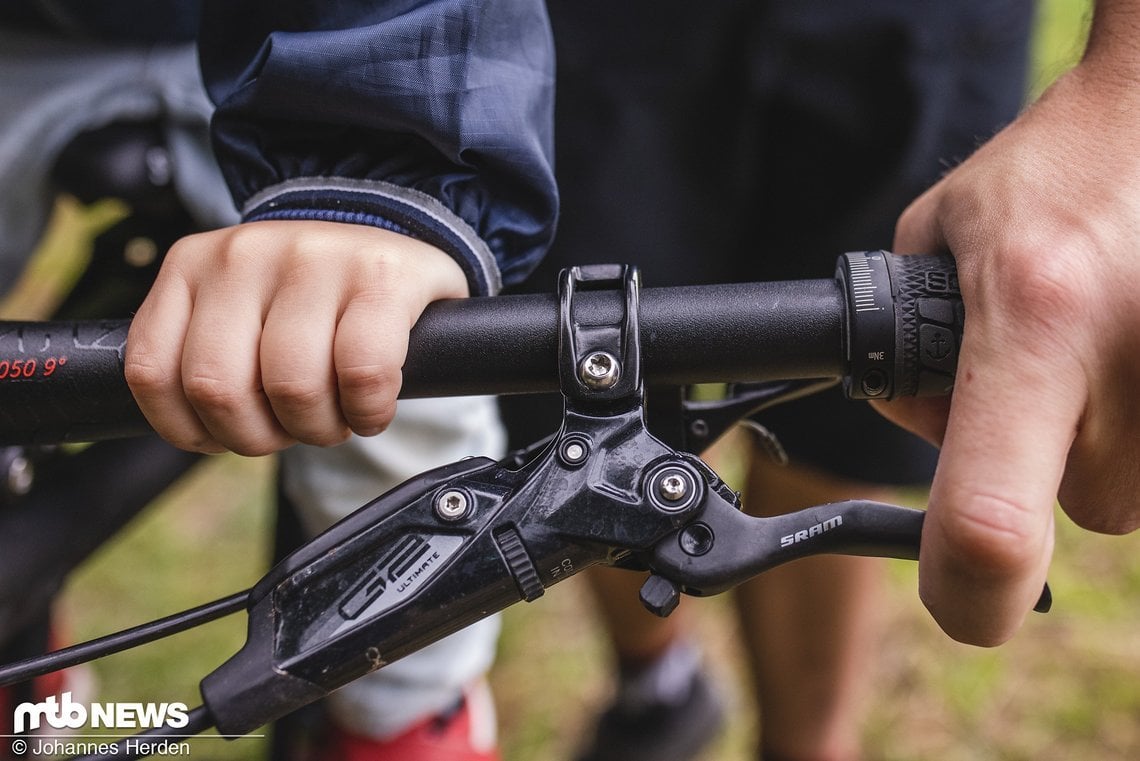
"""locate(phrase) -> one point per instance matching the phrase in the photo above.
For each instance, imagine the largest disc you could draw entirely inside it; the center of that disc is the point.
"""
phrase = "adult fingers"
(988, 536)
(919, 233)
(923, 416)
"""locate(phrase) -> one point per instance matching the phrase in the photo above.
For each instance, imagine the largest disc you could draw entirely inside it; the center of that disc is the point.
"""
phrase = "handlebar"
(887, 325)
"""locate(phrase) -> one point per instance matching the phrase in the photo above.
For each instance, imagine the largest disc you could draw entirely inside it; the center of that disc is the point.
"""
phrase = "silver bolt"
(574, 450)
(20, 475)
(451, 505)
(599, 370)
(673, 487)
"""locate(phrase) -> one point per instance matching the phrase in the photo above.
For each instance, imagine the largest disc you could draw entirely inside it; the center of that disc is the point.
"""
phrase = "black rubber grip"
(64, 381)
(904, 324)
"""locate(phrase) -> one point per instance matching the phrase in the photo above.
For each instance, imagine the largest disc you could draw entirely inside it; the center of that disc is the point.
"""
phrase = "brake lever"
(723, 547)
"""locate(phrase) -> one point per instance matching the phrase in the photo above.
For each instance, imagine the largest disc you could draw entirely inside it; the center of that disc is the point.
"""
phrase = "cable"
(119, 641)
(146, 743)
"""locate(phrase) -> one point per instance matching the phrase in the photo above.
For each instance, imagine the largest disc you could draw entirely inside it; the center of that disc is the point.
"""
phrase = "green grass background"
(1067, 687)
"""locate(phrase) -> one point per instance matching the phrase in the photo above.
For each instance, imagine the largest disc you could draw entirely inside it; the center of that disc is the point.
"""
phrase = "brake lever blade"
(734, 546)
(725, 547)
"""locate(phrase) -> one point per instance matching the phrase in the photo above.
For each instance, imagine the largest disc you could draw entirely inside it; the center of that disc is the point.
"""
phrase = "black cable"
(119, 641)
(149, 742)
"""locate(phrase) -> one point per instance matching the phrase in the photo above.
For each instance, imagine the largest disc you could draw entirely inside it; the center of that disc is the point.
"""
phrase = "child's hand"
(264, 334)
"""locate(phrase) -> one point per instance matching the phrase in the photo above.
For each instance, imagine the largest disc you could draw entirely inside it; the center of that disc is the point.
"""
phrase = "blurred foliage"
(1058, 40)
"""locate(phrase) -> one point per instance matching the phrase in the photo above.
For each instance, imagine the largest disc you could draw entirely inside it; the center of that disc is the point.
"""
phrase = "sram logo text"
(808, 533)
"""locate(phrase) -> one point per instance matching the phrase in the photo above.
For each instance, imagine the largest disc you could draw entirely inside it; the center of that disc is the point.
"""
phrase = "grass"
(1068, 687)
(206, 538)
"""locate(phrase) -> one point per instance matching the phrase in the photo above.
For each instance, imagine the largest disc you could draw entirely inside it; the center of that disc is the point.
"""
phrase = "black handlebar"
(888, 325)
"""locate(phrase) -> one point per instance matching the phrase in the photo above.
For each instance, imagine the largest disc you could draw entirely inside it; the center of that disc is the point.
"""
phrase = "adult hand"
(264, 334)
(1044, 223)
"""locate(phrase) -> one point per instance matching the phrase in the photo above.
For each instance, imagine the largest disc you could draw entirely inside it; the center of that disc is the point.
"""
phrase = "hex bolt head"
(673, 487)
(599, 370)
(452, 505)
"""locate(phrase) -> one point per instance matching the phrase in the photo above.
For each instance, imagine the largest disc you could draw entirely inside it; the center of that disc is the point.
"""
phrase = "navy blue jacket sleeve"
(432, 117)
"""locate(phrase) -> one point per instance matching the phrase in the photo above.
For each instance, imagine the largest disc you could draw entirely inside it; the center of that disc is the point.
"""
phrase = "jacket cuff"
(384, 205)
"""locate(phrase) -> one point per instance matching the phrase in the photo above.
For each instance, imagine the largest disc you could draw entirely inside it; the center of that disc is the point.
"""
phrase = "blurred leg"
(665, 707)
(637, 636)
(810, 628)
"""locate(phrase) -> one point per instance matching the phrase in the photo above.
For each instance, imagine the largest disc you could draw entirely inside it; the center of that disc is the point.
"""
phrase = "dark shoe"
(661, 731)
